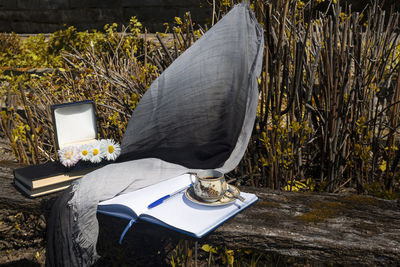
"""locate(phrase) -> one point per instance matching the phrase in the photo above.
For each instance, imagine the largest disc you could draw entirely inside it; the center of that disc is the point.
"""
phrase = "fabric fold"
(198, 114)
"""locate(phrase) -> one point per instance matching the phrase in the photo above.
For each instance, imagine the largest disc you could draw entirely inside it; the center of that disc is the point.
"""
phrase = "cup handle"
(190, 174)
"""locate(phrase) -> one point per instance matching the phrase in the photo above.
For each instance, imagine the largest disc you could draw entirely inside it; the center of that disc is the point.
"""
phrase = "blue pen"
(164, 198)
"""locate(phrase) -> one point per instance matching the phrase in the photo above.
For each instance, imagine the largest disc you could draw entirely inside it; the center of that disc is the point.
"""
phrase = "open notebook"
(177, 213)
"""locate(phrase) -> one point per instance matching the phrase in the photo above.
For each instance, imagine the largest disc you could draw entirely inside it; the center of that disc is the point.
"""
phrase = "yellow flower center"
(84, 152)
(110, 149)
(95, 151)
(69, 154)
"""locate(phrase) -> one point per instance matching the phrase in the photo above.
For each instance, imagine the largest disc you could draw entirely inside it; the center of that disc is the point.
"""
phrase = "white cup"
(209, 185)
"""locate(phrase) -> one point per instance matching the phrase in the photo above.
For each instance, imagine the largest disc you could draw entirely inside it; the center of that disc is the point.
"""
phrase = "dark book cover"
(36, 176)
(36, 192)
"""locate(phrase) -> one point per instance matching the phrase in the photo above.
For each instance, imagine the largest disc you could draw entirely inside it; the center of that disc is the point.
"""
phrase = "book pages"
(194, 218)
(139, 200)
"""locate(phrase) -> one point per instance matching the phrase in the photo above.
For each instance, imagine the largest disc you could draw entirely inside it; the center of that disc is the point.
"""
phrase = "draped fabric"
(198, 114)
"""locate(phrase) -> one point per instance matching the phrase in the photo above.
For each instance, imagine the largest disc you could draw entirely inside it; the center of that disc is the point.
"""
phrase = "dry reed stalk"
(28, 111)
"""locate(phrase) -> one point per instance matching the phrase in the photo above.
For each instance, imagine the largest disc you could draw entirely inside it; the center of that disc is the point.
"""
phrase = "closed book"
(37, 176)
(42, 190)
(178, 213)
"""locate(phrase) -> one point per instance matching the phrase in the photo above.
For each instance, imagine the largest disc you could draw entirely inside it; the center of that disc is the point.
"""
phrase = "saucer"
(228, 198)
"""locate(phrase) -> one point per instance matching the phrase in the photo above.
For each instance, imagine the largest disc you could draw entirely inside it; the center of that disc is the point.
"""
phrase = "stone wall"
(44, 16)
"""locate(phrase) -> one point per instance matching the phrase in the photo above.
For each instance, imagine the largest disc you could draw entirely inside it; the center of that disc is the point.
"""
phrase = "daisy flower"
(110, 148)
(69, 156)
(85, 152)
(95, 152)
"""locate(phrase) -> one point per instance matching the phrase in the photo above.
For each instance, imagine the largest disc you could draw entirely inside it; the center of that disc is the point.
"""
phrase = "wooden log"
(344, 229)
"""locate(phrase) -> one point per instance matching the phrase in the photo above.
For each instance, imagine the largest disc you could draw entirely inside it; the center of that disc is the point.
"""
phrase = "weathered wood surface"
(343, 229)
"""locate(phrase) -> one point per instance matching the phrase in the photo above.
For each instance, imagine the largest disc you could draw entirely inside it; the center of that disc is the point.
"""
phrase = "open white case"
(74, 123)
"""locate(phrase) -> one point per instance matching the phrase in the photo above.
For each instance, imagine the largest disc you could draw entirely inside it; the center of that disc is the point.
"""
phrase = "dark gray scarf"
(198, 114)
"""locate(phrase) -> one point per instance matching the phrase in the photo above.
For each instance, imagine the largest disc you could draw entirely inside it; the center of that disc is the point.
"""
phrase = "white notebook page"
(140, 199)
(198, 219)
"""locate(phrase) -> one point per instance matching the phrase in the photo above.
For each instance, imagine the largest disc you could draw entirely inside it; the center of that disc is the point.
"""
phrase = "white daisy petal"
(69, 156)
(111, 149)
(85, 152)
(96, 154)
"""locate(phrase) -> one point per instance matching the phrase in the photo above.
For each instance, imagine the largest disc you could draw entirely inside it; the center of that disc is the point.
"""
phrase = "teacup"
(209, 185)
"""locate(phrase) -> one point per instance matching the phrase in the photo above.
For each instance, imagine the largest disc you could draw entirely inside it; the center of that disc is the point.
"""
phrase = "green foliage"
(38, 51)
(210, 255)
(70, 40)
(83, 65)
(182, 254)
(30, 52)
(378, 190)
(214, 256)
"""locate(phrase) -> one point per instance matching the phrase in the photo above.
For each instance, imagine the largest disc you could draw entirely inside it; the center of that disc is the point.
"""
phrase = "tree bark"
(344, 229)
